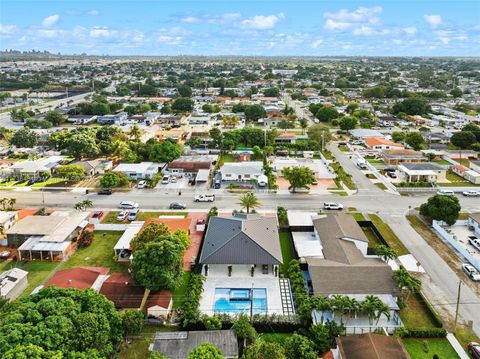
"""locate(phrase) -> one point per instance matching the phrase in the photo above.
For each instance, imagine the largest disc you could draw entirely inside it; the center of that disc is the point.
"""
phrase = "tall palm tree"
(370, 306)
(384, 252)
(382, 309)
(407, 283)
(135, 132)
(341, 305)
(352, 306)
(321, 304)
(11, 203)
(249, 201)
(83, 205)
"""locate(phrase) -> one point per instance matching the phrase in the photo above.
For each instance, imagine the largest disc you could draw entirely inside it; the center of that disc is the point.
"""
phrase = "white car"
(166, 180)
(205, 198)
(332, 206)
(122, 216)
(446, 192)
(174, 179)
(471, 272)
(142, 184)
(128, 205)
(471, 193)
(133, 214)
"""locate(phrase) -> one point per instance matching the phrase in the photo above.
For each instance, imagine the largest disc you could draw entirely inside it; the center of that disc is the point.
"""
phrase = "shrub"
(85, 239)
(282, 216)
(212, 323)
(421, 333)
(189, 313)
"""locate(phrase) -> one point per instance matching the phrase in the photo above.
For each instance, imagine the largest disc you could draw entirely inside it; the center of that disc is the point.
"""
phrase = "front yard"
(427, 348)
(111, 217)
(416, 314)
(288, 251)
(389, 236)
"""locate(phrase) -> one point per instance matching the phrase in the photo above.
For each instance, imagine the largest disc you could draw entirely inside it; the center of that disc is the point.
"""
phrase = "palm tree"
(321, 304)
(303, 124)
(11, 203)
(135, 132)
(384, 252)
(370, 306)
(249, 201)
(83, 205)
(352, 306)
(341, 305)
(407, 282)
(382, 309)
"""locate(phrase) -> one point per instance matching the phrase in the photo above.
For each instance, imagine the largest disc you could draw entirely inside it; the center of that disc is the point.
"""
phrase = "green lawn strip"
(288, 252)
(441, 347)
(52, 182)
(99, 253)
(381, 185)
(137, 347)
(416, 313)
(111, 217)
(179, 293)
(358, 216)
(463, 215)
(389, 236)
(275, 337)
(343, 176)
(343, 148)
(371, 236)
(339, 193)
(465, 335)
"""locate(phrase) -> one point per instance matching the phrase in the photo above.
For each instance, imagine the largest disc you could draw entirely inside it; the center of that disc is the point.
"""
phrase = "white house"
(242, 171)
(7, 220)
(422, 172)
(142, 170)
(473, 222)
(12, 283)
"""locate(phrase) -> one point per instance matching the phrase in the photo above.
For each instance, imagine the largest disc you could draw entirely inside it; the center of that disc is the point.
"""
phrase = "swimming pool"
(237, 300)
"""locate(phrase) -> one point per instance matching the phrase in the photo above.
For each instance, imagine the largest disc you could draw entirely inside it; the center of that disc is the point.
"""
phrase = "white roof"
(472, 173)
(365, 132)
(6, 215)
(307, 244)
(133, 167)
(202, 175)
(9, 279)
(240, 168)
(37, 243)
(304, 219)
(127, 236)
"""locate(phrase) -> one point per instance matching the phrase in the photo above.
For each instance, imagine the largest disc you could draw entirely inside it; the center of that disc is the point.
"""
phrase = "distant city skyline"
(264, 28)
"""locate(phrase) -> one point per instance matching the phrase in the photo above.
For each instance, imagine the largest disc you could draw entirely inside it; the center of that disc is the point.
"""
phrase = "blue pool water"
(237, 300)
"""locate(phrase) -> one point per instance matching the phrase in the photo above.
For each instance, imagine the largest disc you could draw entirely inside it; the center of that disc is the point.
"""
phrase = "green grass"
(8, 183)
(275, 337)
(441, 347)
(463, 215)
(99, 253)
(343, 148)
(465, 335)
(226, 157)
(375, 161)
(51, 182)
(389, 236)
(358, 216)
(179, 293)
(343, 176)
(339, 193)
(288, 252)
(442, 163)
(381, 185)
(416, 314)
(327, 154)
(111, 217)
(371, 236)
(137, 348)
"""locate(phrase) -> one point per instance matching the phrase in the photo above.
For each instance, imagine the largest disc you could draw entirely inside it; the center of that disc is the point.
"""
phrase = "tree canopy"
(441, 208)
(205, 351)
(24, 138)
(299, 177)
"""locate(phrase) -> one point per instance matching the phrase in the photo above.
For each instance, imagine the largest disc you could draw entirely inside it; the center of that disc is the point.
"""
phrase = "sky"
(243, 27)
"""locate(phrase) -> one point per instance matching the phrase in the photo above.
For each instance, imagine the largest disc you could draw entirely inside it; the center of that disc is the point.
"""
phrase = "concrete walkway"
(457, 346)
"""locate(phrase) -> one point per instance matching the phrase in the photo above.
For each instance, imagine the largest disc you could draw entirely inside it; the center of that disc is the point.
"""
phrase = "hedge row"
(421, 333)
(188, 311)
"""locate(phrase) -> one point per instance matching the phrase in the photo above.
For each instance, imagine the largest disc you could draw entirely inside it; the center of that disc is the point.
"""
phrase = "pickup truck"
(205, 198)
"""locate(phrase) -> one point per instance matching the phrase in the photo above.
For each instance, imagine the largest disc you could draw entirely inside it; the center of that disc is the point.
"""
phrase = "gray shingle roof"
(243, 239)
(424, 166)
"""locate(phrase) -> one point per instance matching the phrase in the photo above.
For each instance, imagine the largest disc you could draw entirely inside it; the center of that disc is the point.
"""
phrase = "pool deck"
(269, 282)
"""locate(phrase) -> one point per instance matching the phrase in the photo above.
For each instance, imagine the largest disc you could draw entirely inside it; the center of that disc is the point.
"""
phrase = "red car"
(474, 350)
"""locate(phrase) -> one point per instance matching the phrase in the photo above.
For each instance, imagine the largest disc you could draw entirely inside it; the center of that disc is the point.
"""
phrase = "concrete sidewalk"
(456, 345)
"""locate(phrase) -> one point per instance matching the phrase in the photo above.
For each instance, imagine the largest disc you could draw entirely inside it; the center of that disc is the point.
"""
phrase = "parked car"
(128, 205)
(133, 214)
(474, 350)
(471, 193)
(391, 174)
(166, 179)
(173, 179)
(446, 192)
(471, 272)
(332, 206)
(105, 191)
(98, 214)
(122, 216)
(205, 198)
(142, 184)
(176, 205)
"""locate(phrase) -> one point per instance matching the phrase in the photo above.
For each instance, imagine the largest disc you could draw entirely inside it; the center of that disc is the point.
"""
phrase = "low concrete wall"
(455, 244)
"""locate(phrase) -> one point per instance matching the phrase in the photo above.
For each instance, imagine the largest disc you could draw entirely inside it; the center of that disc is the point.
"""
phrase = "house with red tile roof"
(378, 143)
(79, 278)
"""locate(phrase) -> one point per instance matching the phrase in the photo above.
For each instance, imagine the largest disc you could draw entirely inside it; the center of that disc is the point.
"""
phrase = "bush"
(282, 216)
(189, 313)
(212, 323)
(421, 333)
(85, 239)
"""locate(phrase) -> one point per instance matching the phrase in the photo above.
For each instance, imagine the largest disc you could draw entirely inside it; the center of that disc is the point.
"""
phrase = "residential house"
(172, 120)
(347, 269)
(7, 220)
(120, 289)
(422, 172)
(468, 174)
(81, 119)
(12, 283)
(35, 169)
(177, 345)
(114, 119)
(318, 167)
(142, 170)
(461, 154)
(122, 247)
(287, 137)
(362, 133)
(380, 143)
(95, 167)
(51, 237)
(176, 135)
(437, 139)
(473, 222)
(242, 171)
(475, 166)
(394, 157)
(79, 278)
(240, 258)
(189, 166)
(369, 346)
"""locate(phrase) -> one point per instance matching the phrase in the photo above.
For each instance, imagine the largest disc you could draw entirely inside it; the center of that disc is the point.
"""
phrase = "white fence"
(455, 244)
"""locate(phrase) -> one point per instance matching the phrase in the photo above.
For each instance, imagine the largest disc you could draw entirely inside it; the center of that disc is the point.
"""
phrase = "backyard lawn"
(99, 253)
(416, 313)
(389, 236)
(137, 348)
(179, 293)
(288, 252)
(417, 348)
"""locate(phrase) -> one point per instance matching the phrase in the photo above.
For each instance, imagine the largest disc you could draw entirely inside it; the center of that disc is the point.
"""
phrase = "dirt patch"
(323, 184)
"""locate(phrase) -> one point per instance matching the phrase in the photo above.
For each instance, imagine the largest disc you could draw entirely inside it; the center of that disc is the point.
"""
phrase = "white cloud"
(433, 20)
(261, 22)
(191, 20)
(93, 13)
(410, 30)
(102, 32)
(173, 36)
(316, 43)
(365, 30)
(50, 20)
(7, 29)
(344, 19)
(212, 19)
(446, 36)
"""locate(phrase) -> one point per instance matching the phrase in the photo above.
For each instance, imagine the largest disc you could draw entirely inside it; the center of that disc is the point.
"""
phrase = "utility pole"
(458, 304)
(251, 305)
